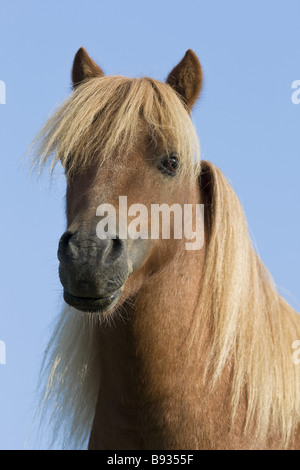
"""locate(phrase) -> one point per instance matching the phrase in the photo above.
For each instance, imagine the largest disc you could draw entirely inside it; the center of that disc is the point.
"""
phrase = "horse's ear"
(186, 78)
(84, 68)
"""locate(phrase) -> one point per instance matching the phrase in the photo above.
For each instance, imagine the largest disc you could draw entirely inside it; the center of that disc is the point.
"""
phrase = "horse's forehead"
(146, 148)
(103, 174)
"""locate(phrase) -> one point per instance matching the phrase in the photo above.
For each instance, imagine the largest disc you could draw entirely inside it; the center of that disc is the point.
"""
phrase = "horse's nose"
(89, 266)
(77, 248)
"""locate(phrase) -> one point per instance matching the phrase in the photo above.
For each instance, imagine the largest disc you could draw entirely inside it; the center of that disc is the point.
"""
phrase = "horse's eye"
(169, 164)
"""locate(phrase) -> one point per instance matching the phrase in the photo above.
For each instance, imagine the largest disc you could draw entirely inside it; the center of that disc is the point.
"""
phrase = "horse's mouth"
(91, 304)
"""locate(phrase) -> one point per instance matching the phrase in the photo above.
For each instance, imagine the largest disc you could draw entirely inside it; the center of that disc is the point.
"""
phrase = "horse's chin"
(98, 305)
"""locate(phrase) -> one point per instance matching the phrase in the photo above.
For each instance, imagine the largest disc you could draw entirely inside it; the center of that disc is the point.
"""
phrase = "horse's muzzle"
(92, 271)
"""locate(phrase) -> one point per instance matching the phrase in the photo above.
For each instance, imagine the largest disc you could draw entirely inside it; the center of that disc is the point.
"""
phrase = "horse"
(158, 346)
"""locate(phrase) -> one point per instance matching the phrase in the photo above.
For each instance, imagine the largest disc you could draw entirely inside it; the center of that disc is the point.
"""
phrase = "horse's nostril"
(117, 243)
(115, 248)
(64, 240)
(63, 244)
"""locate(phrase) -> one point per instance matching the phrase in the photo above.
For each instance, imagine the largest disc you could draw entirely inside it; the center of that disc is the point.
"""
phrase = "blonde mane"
(251, 325)
(104, 115)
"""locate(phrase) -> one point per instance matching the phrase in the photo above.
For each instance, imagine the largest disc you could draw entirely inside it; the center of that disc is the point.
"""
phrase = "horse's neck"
(146, 358)
(165, 316)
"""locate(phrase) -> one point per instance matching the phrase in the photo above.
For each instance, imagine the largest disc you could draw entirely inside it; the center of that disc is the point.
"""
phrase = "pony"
(157, 346)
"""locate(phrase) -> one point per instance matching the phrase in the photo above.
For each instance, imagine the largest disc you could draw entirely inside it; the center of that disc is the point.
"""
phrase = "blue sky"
(245, 118)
